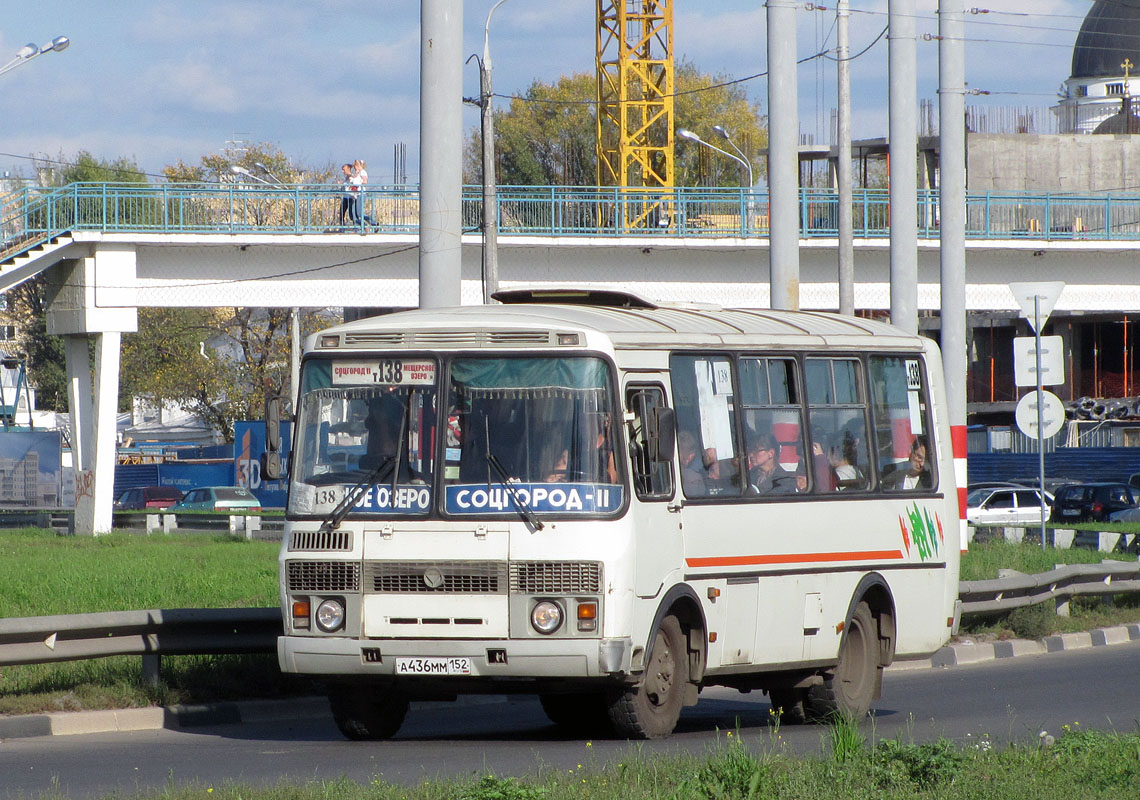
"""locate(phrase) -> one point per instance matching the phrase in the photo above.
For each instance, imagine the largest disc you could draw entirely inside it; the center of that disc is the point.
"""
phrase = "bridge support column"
(89, 299)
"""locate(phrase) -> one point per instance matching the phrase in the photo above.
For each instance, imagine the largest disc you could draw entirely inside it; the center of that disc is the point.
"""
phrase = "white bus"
(613, 504)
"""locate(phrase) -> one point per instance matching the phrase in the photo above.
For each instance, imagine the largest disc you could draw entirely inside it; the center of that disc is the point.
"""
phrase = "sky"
(328, 81)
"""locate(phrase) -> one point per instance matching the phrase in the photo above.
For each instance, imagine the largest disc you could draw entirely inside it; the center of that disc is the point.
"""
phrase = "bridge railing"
(34, 214)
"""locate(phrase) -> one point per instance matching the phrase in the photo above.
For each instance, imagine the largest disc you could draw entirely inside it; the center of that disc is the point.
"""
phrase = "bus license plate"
(433, 666)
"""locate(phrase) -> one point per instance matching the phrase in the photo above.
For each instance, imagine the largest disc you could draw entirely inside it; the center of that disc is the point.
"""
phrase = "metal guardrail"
(33, 215)
(1018, 590)
(153, 634)
(150, 634)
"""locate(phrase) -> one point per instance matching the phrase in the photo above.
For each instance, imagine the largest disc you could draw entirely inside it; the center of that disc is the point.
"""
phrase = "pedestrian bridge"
(210, 244)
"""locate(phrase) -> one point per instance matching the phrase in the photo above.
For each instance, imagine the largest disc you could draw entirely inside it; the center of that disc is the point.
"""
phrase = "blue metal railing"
(33, 215)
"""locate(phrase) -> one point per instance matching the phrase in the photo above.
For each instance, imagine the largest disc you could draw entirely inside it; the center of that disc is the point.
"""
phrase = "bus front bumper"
(486, 658)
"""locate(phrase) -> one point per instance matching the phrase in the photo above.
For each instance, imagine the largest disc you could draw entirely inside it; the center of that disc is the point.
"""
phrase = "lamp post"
(719, 129)
(239, 170)
(30, 51)
(687, 134)
(490, 199)
(265, 169)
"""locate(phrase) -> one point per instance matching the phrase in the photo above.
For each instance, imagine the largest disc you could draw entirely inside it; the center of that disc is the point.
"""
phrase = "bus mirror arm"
(662, 434)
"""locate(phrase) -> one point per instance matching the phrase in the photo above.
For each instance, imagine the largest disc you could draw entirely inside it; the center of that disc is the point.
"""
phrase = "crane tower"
(635, 103)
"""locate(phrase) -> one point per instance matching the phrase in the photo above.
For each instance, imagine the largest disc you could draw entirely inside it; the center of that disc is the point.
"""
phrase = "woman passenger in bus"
(841, 455)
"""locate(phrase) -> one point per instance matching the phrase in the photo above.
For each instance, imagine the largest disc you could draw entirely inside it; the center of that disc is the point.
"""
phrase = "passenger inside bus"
(912, 473)
(841, 456)
(694, 475)
(596, 462)
(765, 475)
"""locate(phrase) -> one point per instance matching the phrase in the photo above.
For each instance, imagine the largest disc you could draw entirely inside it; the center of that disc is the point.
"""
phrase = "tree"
(218, 168)
(548, 135)
(217, 364)
(27, 303)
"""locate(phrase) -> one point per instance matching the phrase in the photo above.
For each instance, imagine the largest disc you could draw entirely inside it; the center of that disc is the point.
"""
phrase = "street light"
(30, 51)
(238, 170)
(265, 169)
(687, 134)
(490, 201)
(747, 163)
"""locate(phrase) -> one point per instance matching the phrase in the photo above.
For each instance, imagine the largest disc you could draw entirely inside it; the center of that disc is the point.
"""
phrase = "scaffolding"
(635, 107)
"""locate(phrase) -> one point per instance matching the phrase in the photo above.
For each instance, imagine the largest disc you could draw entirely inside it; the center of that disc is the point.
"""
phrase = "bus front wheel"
(363, 716)
(650, 709)
(850, 687)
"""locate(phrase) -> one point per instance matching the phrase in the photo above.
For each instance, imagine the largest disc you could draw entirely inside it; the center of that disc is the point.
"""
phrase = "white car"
(1006, 505)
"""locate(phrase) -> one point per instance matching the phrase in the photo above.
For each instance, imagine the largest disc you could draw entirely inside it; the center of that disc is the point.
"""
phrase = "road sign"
(1052, 415)
(1025, 361)
(1044, 292)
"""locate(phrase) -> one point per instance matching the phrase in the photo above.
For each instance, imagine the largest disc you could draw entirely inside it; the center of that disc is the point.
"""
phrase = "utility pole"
(903, 194)
(490, 178)
(783, 157)
(441, 127)
(843, 177)
(952, 230)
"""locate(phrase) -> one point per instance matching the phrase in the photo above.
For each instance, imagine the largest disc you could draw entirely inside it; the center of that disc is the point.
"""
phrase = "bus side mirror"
(662, 434)
(271, 458)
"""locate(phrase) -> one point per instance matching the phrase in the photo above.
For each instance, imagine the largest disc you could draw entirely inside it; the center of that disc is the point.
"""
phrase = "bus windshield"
(535, 431)
(370, 422)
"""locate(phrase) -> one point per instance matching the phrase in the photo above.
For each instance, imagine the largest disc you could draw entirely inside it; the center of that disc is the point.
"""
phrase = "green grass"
(984, 559)
(1084, 764)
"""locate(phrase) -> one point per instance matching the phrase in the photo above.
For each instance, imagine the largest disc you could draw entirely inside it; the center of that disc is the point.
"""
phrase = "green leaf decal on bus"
(926, 533)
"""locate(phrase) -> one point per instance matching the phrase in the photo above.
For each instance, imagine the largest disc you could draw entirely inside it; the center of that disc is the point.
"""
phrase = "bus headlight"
(330, 615)
(546, 617)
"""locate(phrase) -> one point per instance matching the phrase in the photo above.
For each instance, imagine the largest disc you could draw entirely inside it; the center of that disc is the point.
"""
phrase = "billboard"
(30, 469)
(249, 444)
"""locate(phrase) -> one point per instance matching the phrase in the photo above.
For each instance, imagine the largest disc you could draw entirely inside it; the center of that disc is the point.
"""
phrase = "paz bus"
(611, 504)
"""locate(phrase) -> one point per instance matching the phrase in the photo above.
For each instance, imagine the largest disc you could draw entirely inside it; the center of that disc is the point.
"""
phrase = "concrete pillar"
(93, 295)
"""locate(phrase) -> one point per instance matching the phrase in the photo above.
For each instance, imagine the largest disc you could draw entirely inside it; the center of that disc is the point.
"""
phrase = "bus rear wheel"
(850, 687)
(363, 716)
(650, 709)
(577, 712)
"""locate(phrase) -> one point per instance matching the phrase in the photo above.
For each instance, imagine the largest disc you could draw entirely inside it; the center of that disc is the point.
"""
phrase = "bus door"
(655, 517)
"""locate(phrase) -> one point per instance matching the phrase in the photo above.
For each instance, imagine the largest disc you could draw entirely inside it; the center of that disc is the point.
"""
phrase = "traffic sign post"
(1036, 301)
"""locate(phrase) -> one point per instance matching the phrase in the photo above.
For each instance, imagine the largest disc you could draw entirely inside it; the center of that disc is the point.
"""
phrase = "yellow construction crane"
(635, 105)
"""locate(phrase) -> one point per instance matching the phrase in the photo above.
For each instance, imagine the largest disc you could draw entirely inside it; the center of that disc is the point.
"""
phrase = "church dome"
(1109, 34)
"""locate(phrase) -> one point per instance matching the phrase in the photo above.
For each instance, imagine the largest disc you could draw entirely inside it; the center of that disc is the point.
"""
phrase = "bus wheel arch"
(866, 647)
(672, 666)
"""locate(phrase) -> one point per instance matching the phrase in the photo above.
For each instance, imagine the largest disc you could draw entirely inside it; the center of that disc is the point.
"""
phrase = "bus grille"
(323, 576)
(556, 577)
(328, 541)
(443, 577)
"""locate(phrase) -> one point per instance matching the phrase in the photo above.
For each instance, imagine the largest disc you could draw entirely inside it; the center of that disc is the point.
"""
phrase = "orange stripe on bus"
(792, 558)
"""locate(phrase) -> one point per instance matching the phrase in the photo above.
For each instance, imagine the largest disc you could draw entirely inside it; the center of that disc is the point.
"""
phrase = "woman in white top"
(361, 175)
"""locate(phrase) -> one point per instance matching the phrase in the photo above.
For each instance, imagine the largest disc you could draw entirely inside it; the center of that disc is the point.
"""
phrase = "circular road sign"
(1052, 415)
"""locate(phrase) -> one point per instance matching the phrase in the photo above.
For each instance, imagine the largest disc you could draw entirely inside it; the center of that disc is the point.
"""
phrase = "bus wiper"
(525, 511)
(333, 520)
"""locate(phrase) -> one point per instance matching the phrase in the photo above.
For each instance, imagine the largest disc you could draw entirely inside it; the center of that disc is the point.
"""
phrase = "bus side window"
(704, 397)
(905, 450)
(838, 416)
(773, 426)
(652, 477)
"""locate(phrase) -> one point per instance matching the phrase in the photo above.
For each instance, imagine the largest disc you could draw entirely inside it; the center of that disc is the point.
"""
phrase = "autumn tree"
(215, 363)
(264, 160)
(548, 135)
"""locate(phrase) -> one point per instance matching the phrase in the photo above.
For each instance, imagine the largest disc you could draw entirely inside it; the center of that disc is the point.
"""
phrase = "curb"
(70, 723)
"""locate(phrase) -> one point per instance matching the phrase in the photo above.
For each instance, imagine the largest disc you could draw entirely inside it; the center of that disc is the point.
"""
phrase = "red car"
(143, 498)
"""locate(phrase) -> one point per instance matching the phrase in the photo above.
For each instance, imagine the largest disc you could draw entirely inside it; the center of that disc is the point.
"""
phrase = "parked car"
(219, 498)
(1005, 505)
(142, 498)
(1083, 502)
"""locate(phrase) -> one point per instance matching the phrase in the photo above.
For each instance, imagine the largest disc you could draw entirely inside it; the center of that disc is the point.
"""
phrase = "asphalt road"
(1005, 700)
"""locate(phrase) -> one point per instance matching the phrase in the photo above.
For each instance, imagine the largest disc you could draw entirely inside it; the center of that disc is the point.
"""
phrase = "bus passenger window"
(705, 402)
(904, 448)
(838, 414)
(773, 426)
